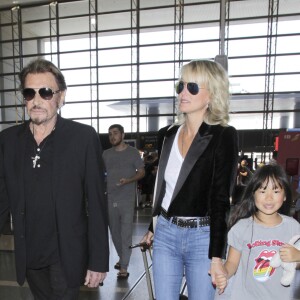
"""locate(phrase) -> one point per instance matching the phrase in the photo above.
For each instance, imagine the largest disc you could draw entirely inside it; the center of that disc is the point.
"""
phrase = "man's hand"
(93, 279)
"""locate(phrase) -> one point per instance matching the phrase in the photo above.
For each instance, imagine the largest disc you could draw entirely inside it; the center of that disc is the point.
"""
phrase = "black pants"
(49, 283)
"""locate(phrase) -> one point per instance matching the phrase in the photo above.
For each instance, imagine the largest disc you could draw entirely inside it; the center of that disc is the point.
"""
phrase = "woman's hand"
(147, 238)
(218, 274)
(221, 283)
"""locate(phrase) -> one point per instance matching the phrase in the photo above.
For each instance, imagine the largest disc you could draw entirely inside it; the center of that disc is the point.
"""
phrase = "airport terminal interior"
(121, 60)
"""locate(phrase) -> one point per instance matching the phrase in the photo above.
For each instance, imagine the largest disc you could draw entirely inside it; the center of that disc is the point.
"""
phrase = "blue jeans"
(178, 251)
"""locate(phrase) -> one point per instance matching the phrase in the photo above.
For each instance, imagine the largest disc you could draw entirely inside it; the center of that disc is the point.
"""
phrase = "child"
(260, 227)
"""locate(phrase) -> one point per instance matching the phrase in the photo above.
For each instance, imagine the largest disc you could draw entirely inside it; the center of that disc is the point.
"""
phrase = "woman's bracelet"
(214, 261)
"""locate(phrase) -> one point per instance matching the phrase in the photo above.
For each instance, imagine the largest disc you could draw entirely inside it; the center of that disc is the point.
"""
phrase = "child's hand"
(289, 253)
(221, 282)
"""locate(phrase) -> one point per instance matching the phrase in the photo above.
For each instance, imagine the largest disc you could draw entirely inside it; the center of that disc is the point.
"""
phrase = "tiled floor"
(134, 288)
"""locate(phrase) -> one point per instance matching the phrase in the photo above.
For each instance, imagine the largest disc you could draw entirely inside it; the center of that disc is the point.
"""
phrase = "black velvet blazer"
(205, 180)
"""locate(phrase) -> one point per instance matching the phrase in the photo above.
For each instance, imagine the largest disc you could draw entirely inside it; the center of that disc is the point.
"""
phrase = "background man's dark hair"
(118, 126)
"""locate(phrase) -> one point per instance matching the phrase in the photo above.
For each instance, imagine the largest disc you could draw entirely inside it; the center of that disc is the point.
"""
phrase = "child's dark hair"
(246, 208)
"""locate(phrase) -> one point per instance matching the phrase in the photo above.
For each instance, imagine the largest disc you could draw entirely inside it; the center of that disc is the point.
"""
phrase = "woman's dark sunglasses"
(45, 93)
(192, 87)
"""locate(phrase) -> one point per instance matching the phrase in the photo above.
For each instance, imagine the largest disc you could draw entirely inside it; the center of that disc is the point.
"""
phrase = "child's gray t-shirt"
(255, 279)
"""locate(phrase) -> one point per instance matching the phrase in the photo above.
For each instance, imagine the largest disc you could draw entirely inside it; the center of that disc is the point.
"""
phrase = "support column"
(153, 120)
(135, 68)
(17, 60)
(284, 122)
(297, 115)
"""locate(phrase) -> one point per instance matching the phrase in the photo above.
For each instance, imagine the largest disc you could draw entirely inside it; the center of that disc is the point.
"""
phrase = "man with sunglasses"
(52, 182)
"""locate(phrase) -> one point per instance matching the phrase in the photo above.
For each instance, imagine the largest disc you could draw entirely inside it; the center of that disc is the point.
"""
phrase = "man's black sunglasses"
(45, 93)
(192, 87)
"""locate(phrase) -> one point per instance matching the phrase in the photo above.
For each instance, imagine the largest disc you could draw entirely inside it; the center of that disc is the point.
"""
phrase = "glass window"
(285, 83)
(289, 7)
(114, 56)
(31, 47)
(75, 60)
(7, 66)
(251, 65)
(79, 93)
(6, 32)
(246, 9)
(76, 43)
(200, 50)
(256, 46)
(114, 74)
(129, 124)
(157, 53)
(73, 8)
(114, 21)
(104, 6)
(201, 33)
(152, 17)
(37, 29)
(202, 12)
(9, 82)
(247, 84)
(115, 91)
(249, 29)
(156, 36)
(114, 39)
(115, 108)
(74, 25)
(287, 63)
(153, 3)
(157, 106)
(77, 110)
(35, 13)
(288, 44)
(113, 65)
(152, 71)
(77, 77)
(5, 17)
(288, 27)
(157, 89)
(154, 123)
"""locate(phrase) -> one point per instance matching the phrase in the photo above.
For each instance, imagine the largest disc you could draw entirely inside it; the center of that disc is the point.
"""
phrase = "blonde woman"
(197, 169)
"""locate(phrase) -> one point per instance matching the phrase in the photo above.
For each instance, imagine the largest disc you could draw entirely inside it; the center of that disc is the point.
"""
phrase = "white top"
(172, 171)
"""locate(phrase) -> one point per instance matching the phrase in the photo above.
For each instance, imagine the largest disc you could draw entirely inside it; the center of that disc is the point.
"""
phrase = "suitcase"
(145, 248)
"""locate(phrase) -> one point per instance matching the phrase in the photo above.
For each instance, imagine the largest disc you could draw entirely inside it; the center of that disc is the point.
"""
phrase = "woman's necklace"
(38, 151)
(182, 140)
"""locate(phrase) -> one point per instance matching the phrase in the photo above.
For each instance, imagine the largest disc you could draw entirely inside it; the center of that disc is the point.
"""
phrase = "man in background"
(244, 172)
(124, 168)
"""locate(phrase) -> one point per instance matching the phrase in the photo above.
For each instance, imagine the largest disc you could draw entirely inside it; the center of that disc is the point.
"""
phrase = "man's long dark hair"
(272, 172)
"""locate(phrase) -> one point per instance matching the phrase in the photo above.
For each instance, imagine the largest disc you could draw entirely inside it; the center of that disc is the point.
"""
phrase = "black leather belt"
(187, 223)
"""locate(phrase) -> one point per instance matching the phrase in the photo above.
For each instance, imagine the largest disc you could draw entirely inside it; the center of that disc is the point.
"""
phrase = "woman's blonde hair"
(214, 78)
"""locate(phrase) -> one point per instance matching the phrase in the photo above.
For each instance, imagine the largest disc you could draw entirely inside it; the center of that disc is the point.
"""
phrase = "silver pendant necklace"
(38, 151)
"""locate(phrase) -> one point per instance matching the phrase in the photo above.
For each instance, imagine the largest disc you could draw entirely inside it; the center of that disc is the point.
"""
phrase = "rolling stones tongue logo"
(262, 270)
